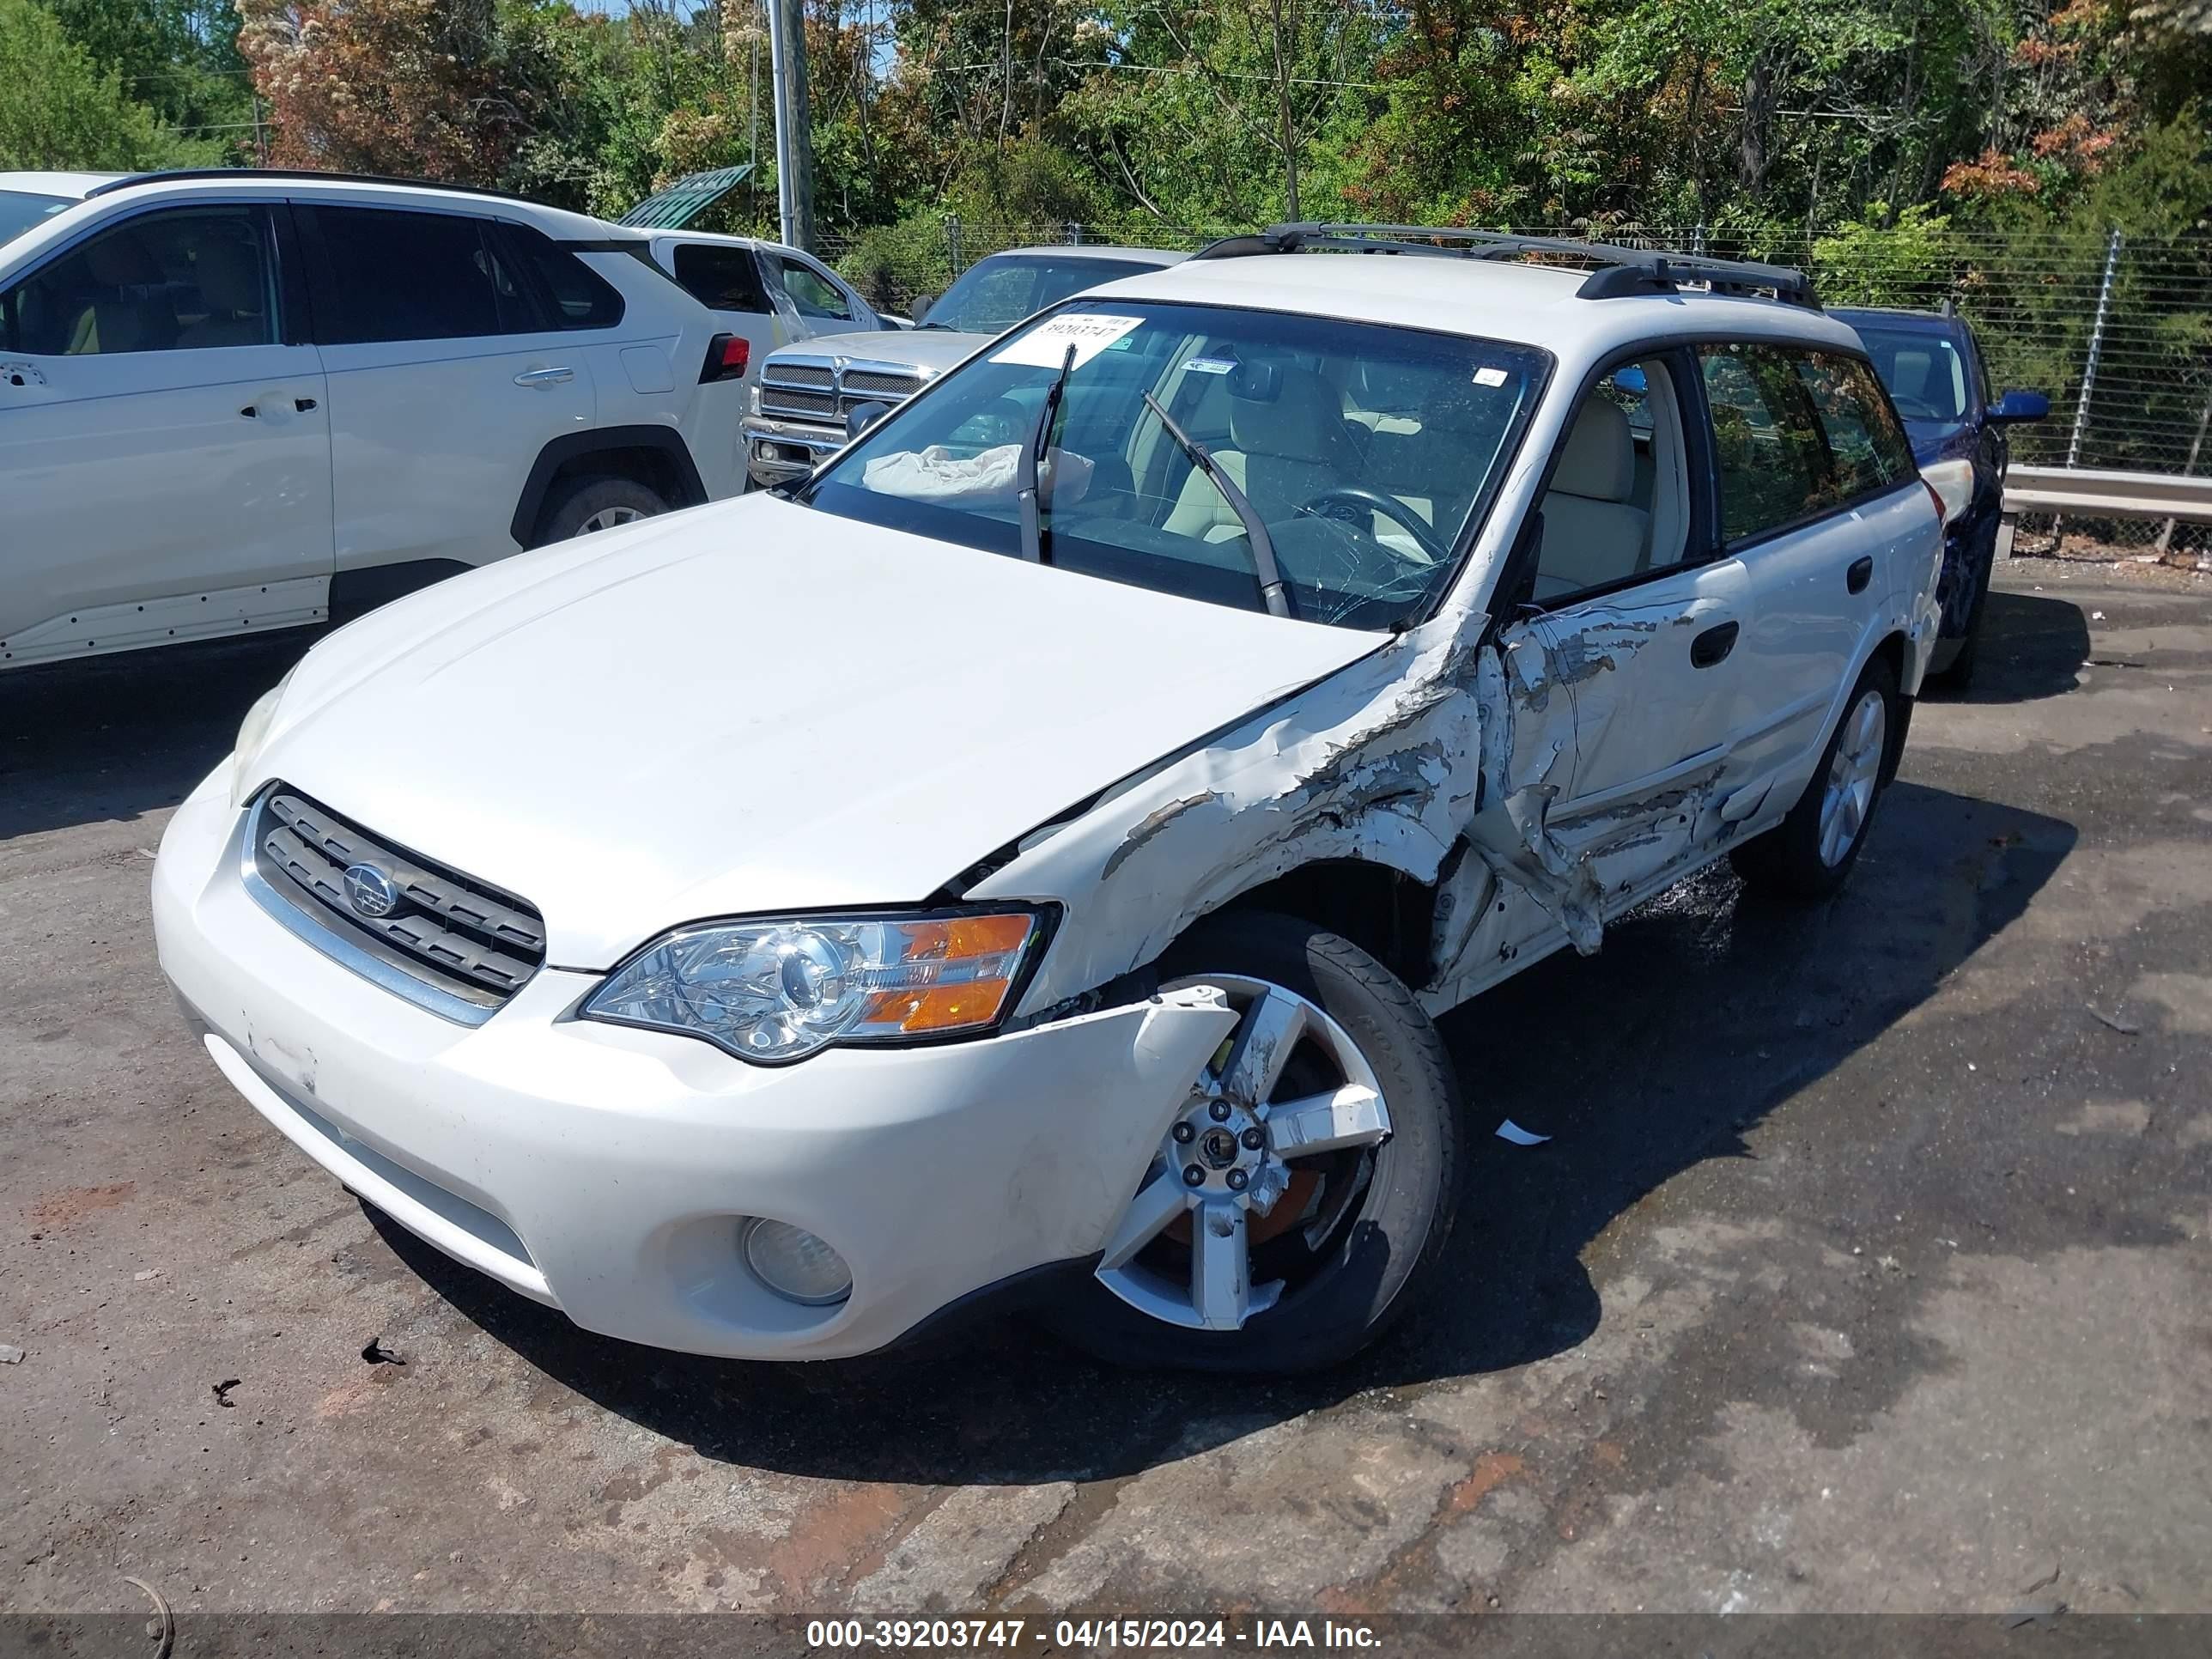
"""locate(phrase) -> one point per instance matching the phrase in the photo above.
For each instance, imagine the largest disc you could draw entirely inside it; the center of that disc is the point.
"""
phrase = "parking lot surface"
(1869, 1265)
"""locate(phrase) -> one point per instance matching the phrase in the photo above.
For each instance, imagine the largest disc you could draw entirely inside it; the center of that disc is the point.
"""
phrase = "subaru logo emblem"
(370, 891)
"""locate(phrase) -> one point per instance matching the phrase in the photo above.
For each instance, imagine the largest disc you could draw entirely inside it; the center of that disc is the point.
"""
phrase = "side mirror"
(861, 417)
(2020, 406)
(919, 308)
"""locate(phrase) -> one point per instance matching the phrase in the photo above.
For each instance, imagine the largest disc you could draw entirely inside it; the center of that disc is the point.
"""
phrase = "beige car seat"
(1592, 534)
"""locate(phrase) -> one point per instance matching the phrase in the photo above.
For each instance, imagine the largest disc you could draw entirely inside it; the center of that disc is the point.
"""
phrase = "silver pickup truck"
(807, 390)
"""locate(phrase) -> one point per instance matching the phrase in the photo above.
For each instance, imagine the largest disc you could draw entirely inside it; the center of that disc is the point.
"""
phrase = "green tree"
(179, 57)
(58, 109)
(1229, 113)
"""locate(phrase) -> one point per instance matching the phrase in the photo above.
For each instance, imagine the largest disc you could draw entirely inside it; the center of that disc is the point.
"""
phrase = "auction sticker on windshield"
(1046, 345)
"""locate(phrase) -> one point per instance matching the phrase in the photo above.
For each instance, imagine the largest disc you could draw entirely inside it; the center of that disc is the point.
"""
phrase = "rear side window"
(391, 275)
(721, 278)
(1867, 447)
(1797, 433)
(576, 295)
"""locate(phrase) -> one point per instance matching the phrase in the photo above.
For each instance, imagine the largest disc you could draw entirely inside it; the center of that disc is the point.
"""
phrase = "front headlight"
(779, 990)
(253, 732)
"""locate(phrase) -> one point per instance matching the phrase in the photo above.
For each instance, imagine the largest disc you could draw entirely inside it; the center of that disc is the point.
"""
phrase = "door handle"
(545, 377)
(250, 412)
(1713, 645)
(303, 405)
(1859, 573)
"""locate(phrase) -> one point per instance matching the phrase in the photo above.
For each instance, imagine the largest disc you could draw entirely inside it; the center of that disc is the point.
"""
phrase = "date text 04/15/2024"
(1088, 1634)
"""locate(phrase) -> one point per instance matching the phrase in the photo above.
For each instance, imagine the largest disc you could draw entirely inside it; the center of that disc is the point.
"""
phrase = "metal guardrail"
(2093, 493)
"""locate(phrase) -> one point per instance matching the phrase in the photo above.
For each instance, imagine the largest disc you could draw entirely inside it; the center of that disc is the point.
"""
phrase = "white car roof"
(723, 239)
(74, 186)
(1483, 298)
(556, 222)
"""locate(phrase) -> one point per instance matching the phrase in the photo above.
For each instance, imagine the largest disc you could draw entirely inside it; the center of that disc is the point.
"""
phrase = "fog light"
(796, 1265)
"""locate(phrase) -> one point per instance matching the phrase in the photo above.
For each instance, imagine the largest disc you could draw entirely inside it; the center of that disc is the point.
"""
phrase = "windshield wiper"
(1025, 474)
(1256, 530)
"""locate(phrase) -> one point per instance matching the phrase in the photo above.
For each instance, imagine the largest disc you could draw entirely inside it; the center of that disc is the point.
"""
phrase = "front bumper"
(778, 451)
(606, 1171)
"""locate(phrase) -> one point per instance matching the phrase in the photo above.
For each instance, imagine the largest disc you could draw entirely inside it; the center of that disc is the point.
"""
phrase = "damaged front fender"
(1433, 755)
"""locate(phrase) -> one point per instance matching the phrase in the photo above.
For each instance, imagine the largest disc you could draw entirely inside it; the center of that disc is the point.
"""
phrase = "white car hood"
(931, 350)
(754, 708)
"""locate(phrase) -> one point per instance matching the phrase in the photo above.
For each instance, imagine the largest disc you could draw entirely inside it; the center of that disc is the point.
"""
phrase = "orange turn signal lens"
(952, 974)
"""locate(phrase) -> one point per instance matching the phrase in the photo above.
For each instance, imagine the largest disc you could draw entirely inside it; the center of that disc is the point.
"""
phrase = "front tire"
(1323, 1139)
(1810, 854)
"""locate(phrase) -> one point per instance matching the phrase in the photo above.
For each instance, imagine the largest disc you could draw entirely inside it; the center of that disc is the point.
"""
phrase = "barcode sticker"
(1489, 377)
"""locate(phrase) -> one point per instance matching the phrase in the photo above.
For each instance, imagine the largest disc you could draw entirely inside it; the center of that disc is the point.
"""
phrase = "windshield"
(19, 210)
(1368, 452)
(992, 296)
(1924, 372)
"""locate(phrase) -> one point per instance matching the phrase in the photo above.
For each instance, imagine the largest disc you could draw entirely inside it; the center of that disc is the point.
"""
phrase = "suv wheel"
(1809, 854)
(1301, 1201)
(599, 503)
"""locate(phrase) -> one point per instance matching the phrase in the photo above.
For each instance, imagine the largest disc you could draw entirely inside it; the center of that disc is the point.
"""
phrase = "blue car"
(1933, 368)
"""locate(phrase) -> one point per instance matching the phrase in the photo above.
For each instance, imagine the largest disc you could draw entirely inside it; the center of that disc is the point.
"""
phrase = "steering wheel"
(1357, 496)
(1916, 409)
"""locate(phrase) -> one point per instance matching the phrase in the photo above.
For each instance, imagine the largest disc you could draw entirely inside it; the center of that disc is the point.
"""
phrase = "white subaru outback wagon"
(1030, 870)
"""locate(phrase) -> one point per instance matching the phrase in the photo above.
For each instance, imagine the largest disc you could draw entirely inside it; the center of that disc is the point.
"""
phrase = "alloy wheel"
(607, 518)
(1259, 1170)
(1847, 796)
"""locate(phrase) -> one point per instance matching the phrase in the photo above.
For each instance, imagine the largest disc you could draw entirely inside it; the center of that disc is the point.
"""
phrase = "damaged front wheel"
(1300, 1199)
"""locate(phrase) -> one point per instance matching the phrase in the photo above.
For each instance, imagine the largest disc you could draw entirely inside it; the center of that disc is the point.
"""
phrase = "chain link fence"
(2116, 331)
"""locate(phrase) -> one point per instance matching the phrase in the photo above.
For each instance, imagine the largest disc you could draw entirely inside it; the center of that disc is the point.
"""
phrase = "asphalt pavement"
(1866, 1267)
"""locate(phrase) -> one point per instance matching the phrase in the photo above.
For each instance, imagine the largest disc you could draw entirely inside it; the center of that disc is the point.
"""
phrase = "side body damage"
(1438, 757)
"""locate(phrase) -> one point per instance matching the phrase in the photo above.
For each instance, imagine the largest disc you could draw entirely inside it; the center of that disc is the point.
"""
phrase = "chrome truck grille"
(457, 945)
(825, 392)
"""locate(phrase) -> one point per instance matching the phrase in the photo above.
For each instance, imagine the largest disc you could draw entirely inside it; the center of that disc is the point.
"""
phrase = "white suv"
(1031, 868)
(238, 400)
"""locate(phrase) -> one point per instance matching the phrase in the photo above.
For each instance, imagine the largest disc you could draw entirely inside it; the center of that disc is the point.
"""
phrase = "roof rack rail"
(1621, 270)
(178, 174)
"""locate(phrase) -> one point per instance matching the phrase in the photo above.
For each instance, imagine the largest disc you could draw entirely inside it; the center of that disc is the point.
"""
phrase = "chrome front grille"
(459, 945)
(826, 393)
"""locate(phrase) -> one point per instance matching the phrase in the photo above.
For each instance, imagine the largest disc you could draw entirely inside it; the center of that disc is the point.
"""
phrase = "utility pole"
(794, 141)
(1289, 139)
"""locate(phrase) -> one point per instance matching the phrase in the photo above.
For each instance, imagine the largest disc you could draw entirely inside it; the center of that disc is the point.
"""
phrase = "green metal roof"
(686, 199)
